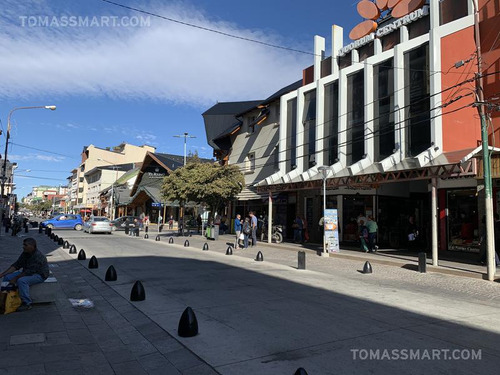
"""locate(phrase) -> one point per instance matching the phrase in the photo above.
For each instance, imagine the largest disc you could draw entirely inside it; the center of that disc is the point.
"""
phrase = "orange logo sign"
(372, 10)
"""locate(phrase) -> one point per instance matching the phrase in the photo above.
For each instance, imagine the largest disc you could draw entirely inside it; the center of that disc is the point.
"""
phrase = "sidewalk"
(389, 257)
(112, 338)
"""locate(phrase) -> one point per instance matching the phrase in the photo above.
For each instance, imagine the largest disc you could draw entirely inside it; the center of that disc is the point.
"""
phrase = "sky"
(118, 75)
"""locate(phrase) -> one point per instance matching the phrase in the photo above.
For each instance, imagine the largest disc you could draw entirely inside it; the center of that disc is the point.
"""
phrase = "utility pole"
(185, 136)
(488, 200)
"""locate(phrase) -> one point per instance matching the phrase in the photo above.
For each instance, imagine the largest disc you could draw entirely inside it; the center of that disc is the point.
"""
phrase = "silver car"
(98, 224)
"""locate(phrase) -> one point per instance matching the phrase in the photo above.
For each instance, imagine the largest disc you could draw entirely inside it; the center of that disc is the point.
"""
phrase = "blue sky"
(142, 84)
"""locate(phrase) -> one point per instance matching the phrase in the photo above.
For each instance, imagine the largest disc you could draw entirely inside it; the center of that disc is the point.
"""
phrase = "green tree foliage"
(204, 183)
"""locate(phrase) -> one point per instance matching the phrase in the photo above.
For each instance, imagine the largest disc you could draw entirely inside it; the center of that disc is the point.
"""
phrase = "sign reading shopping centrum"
(405, 12)
(331, 231)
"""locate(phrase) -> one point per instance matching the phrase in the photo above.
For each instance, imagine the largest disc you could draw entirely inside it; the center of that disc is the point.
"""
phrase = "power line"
(39, 177)
(39, 149)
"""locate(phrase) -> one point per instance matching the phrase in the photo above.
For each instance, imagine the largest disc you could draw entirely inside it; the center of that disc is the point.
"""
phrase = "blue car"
(65, 221)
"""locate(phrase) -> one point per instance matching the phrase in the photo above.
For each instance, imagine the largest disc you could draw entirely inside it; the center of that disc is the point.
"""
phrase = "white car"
(98, 224)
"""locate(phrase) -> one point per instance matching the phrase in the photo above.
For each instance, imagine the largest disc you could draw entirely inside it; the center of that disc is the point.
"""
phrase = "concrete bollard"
(48, 231)
(300, 371)
(111, 274)
(186, 243)
(60, 242)
(301, 260)
(260, 257)
(66, 245)
(157, 237)
(188, 324)
(138, 293)
(72, 249)
(171, 240)
(422, 262)
(146, 236)
(205, 247)
(82, 255)
(56, 238)
(367, 268)
(229, 250)
(93, 262)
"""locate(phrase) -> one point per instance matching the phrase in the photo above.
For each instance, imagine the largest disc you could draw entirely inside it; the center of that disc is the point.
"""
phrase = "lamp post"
(112, 198)
(324, 175)
(7, 137)
(185, 136)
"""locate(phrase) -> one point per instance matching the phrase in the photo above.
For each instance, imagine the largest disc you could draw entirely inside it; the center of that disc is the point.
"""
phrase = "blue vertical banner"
(331, 231)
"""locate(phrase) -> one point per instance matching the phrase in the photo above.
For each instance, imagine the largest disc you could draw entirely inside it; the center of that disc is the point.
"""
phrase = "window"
(80, 190)
(251, 125)
(309, 121)
(384, 112)
(355, 117)
(451, 10)
(82, 168)
(250, 163)
(291, 134)
(81, 179)
(330, 141)
(417, 99)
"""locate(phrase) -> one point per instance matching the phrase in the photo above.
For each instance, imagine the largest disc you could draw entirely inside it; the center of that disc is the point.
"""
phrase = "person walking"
(253, 224)
(372, 227)
(363, 236)
(297, 226)
(247, 230)
(35, 271)
(237, 230)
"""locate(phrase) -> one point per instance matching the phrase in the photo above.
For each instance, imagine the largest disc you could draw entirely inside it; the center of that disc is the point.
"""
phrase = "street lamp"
(324, 174)
(7, 137)
(185, 136)
(112, 199)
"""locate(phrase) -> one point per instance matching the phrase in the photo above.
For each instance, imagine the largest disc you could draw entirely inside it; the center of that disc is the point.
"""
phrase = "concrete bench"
(44, 292)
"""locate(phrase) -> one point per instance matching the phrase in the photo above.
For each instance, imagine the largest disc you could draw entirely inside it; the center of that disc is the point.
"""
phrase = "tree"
(208, 183)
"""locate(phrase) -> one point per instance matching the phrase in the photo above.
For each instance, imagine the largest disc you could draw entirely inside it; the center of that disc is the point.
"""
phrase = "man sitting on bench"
(35, 270)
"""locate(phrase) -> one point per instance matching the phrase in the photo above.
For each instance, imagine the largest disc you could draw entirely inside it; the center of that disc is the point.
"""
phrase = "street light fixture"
(324, 174)
(185, 136)
(7, 137)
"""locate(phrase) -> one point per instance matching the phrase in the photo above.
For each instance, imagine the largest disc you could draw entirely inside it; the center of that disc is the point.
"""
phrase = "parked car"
(98, 224)
(65, 221)
(120, 222)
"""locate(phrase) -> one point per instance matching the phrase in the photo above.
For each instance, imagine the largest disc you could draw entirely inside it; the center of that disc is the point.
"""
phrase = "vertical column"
(319, 55)
(270, 219)
(435, 78)
(282, 136)
(320, 124)
(340, 214)
(342, 119)
(434, 218)
(369, 136)
(301, 136)
(399, 100)
(337, 44)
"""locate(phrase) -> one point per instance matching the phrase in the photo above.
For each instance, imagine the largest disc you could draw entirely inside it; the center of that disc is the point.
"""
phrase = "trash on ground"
(86, 303)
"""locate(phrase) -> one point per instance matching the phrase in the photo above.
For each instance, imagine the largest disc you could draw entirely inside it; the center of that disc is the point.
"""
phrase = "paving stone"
(119, 356)
(36, 369)
(142, 347)
(155, 361)
(32, 338)
(80, 336)
(183, 359)
(129, 368)
(52, 367)
(202, 369)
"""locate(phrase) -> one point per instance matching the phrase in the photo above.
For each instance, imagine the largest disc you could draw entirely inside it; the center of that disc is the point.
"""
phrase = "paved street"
(267, 317)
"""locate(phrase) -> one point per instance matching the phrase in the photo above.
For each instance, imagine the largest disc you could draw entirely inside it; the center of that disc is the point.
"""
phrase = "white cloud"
(165, 61)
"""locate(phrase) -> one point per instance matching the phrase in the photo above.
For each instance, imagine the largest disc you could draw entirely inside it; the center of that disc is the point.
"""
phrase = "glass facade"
(355, 117)
(291, 136)
(417, 98)
(463, 233)
(331, 123)
(309, 122)
(383, 123)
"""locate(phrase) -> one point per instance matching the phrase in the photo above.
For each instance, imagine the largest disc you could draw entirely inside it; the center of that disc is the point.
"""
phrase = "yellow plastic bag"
(12, 302)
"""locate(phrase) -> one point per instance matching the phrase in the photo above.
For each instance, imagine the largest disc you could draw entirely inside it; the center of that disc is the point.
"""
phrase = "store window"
(353, 206)
(384, 109)
(331, 119)
(463, 220)
(451, 10)
(291, 135)
(309, 122)
(355, 117)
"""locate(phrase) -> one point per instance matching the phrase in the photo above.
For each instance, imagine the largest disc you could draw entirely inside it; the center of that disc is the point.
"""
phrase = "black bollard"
(138, 293)
(301, 260)
(48, 231)
(300, 371)
(82, 255)
(40, 229)
(72, 249)
(146, 229)
(126, 230)
(171, 240)
(111, 274)
(229, 250)
(93, 263)
(188, 324)
(60, 241)
(157, 237)
(205, 247)
(260, 257)
(55, 238)
(146, 236)
(186, 243)
(422, 262)
(66, 245)
(367, 268)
